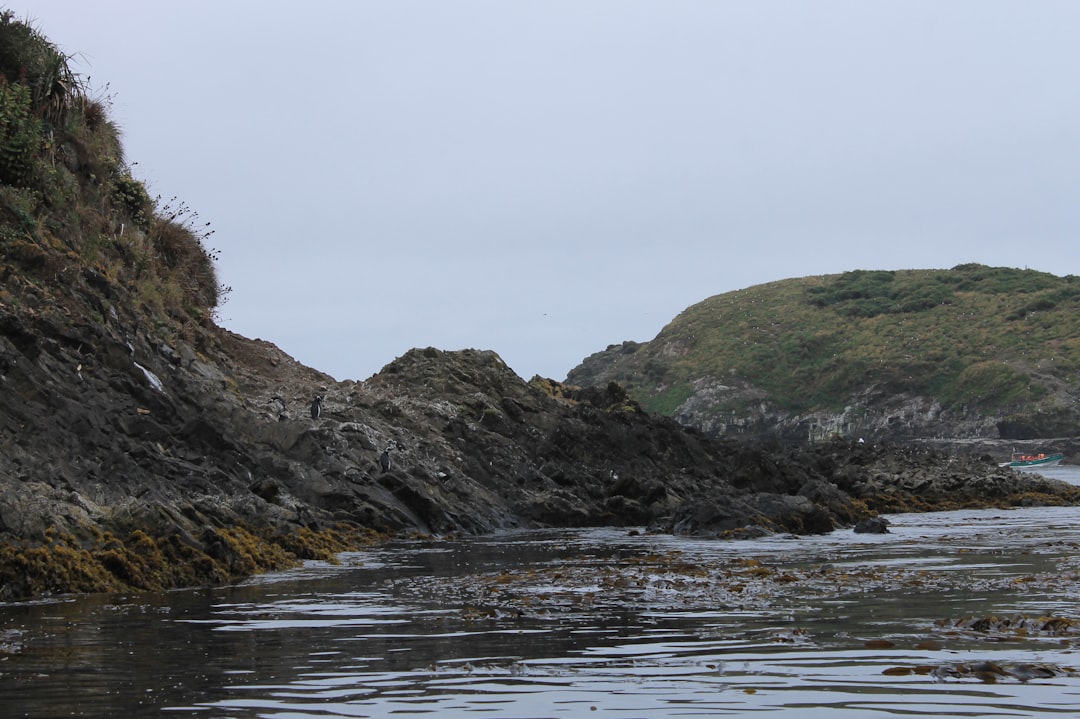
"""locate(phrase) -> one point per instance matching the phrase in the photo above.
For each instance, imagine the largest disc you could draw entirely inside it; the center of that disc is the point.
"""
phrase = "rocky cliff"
(132, 459)
(144, 447)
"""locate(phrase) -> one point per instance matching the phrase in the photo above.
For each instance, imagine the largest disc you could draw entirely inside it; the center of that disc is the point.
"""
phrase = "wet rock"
(872, 525)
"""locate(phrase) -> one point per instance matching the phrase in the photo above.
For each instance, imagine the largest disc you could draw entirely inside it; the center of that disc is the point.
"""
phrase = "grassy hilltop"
(977, 343)
(69, 206)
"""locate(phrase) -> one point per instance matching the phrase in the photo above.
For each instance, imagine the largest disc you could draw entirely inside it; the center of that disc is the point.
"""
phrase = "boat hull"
(1049, 460)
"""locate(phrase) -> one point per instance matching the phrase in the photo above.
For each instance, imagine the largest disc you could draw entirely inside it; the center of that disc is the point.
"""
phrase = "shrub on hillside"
(68, 197)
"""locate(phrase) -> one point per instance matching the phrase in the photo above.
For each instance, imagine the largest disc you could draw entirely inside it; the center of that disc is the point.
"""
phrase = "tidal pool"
(950, 614)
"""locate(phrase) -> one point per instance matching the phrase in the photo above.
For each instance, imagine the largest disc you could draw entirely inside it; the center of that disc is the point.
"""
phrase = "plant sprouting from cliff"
(28, 58)
(20, 134)
(180, 238)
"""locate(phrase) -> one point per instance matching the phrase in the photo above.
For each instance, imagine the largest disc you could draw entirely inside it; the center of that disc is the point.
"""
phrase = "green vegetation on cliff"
(69, 205)
(995, 339)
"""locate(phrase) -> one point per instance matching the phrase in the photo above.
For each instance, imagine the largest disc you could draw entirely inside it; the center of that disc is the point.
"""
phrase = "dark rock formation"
(141, 446)
(136, 459)
(872, 525)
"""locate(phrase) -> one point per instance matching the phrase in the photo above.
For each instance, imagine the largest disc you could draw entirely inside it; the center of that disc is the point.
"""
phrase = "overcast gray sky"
(544, 179)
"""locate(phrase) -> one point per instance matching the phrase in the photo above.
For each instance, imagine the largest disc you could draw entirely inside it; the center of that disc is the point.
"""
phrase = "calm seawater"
(590, 623)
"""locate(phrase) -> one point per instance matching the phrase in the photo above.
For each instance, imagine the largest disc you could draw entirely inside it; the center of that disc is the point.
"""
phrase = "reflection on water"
(1066, 472)
(589, 623)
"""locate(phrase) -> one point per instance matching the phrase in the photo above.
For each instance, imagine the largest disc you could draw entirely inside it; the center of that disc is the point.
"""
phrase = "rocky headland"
(972, 358)
(135, 460)
(143, 447)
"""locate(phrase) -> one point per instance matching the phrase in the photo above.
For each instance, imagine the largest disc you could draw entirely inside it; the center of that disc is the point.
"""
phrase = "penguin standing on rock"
(316, 407)
(384, 460)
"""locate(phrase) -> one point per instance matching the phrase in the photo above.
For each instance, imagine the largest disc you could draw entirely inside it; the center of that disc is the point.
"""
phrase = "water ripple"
(952, 614)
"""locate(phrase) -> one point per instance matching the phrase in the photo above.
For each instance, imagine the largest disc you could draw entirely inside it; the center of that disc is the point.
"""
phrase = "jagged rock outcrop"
(129, 448)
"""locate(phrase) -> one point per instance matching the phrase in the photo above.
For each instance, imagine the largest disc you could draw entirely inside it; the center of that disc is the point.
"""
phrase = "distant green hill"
(975, 349)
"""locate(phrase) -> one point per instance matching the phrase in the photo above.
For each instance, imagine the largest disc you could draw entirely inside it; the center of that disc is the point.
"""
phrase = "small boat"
(1033, 460)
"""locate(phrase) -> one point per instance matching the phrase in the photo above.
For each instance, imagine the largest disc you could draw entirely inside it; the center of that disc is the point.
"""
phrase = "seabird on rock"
(316, 407)
(384, 459)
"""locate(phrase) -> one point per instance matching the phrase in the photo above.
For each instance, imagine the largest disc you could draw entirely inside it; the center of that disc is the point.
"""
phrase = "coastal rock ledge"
(143, 447)
(135, 461)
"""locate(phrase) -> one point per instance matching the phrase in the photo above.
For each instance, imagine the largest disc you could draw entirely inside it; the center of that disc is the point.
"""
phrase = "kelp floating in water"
(1017, 625)
(988, 672)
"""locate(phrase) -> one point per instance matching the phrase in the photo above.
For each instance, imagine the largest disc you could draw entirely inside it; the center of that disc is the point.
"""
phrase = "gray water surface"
(597, 623)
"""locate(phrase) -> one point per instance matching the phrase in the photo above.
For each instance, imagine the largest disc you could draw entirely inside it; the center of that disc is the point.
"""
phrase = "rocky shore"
(142, 447)
(138, 460)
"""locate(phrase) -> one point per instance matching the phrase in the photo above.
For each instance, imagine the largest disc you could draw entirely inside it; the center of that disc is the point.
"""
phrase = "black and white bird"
(384, 460)
(316, 407)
